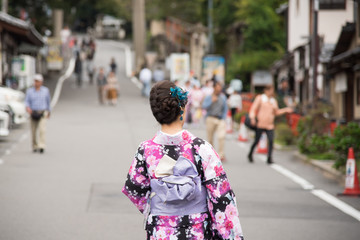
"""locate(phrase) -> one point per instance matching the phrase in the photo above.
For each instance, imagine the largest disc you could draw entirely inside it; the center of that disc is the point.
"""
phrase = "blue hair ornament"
(181, 96)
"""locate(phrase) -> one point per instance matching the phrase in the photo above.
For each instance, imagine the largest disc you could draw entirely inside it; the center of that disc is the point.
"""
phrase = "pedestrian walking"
(196, 98)
(37, 103)
(145, 77)
(188, 113)
(90, 71)
(113, 65)
(216, 107)
(262, 115)
(101, 83)
(112, 88)
(177, 180)
(234, 102)
(208, 88)
(283, 93)
(158, 74)
(78, 69)
(91, 48)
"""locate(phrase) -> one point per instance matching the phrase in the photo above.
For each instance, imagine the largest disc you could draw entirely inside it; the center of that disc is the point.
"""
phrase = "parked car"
(4, 123)
(109, 27)
(15, 101)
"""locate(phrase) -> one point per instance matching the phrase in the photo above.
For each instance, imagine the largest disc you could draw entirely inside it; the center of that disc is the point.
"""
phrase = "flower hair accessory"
(181, 96)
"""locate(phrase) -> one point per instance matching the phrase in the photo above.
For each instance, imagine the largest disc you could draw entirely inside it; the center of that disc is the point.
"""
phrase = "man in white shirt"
(159, 74)
(145, 77)
(234, 102)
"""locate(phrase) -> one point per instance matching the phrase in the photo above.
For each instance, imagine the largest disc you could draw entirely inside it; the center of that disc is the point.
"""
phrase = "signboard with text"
(54, 58)
(213, 65)
(179, 67)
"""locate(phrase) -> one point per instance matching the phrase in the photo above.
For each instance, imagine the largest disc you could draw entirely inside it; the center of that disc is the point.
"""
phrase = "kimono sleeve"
(137, 185)
(221, 198)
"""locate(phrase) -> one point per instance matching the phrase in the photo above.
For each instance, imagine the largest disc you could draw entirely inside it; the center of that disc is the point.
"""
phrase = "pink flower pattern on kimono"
(220, 222)
(231, 212)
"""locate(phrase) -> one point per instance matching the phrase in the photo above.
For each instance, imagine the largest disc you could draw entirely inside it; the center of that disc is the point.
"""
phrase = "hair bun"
(164, 107)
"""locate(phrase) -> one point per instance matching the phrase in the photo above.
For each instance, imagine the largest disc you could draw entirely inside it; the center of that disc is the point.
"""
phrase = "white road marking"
(296, 178)
(346, 208)
(8, 152)
(1, 161)
(136, 82)
(60, 82)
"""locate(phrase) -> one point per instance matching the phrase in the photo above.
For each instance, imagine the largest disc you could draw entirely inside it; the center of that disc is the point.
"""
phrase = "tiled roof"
(32, 34)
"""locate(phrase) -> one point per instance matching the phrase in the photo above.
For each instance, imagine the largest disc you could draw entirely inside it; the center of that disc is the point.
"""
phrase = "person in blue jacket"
(216, 108)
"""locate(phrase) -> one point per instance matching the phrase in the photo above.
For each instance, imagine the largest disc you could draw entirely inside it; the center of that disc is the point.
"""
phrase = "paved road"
(72, 191)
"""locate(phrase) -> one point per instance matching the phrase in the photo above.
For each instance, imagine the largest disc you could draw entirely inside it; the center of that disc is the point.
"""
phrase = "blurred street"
(73, 190)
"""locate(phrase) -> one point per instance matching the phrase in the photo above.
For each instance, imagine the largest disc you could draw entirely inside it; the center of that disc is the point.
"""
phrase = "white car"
(15, 101)
(4, 124)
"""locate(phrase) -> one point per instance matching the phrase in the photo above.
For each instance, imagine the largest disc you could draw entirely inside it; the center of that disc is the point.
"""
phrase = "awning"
(21, 28)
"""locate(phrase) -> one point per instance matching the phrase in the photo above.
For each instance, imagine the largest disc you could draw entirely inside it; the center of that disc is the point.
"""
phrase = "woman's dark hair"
(164, 107)
(214, 83)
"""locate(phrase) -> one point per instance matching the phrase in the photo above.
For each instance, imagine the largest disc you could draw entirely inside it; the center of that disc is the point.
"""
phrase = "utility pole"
(4, 6)
(211, 43)
(58, 19)
(315, 49)
(139, 37)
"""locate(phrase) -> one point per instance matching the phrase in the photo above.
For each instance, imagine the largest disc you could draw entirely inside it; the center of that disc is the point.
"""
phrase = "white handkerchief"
(165, 167)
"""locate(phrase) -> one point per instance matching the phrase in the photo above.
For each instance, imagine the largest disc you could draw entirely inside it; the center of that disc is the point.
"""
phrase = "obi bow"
(178, 180)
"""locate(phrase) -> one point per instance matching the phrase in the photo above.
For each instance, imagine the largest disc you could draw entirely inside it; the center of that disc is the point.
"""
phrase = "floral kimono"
(196, 167)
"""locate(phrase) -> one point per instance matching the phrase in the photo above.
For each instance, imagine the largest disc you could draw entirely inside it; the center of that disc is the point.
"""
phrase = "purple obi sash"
(180, 193)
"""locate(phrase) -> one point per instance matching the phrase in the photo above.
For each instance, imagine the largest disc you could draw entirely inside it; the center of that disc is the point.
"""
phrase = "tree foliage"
(224, 17)
(263, 26)
(81, 12)
(264, 37)
(189, 11)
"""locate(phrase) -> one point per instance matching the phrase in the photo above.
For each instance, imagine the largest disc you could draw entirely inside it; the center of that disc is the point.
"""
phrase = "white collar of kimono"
(169, 139)
(265, 98)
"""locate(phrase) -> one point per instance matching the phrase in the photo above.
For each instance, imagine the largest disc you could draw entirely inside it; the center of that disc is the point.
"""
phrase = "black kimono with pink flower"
(220, 221)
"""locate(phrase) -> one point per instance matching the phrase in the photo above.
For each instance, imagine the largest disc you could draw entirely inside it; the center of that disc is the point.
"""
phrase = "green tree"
(39, 11)
(263, 26)
(224, 18)
(188, 11)
(264, 38)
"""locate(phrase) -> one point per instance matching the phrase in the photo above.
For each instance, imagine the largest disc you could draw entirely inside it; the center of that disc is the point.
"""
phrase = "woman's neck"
(172, 128)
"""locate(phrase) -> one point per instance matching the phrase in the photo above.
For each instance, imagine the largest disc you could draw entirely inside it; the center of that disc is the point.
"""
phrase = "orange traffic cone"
(243, 136)
(229, 123)
(262, 146)
(352, 181)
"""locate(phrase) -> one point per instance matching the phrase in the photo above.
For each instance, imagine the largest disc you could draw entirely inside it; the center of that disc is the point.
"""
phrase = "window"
(332, 4)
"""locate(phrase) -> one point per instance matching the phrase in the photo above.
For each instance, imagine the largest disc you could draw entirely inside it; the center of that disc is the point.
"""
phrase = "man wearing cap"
(37, 103)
